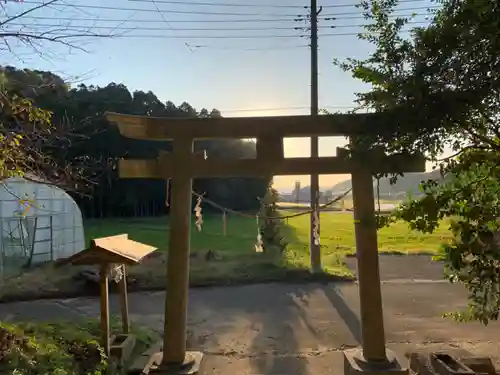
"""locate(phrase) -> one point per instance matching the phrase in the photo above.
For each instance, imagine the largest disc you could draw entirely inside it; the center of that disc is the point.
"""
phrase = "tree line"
(89, 144)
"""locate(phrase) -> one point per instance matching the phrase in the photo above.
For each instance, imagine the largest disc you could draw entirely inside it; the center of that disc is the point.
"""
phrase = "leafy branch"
(434, 90)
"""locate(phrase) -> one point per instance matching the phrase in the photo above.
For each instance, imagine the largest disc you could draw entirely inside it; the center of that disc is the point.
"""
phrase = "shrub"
(271, 228)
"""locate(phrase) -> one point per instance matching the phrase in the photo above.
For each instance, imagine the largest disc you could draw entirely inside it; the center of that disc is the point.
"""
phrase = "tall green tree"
(92, 146)
(433, 88)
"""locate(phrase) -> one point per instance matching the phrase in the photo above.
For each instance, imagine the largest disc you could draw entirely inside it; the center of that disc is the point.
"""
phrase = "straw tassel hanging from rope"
(167, 193)
(259, 244)
(316, 226)
(199, 217)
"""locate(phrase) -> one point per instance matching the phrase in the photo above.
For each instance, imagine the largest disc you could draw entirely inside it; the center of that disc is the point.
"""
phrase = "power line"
(347, 5)
(222, 4)
(162, 15)
(76, 28)
(363, 25)
(256, 20)
(215, 4)
(270, 48)
(158, 21)
(401, 10)
(143, 36)
(359, 17)
(284, 108)
(103, 7)
(140, 28)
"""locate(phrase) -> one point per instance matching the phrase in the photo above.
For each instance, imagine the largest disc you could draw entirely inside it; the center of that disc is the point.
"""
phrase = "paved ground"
(295, 329)
(403, 267)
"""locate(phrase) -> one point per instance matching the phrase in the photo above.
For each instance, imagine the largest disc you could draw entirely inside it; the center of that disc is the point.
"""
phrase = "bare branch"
(40, 6)
(26, 37)
(38, 147)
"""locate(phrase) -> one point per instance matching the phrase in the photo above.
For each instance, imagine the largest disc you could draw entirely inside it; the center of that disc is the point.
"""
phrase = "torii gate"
(183, 164)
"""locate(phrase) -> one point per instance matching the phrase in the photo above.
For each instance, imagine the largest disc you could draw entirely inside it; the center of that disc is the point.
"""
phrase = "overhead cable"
(140, 28)
(103, 7)
(248, 20)
(248, 5)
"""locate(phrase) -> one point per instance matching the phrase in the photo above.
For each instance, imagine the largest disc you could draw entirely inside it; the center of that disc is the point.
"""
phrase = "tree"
(26, 133)
(438, 88)
(29, 139)
(15, 156)
(94, 146)
(76, 140)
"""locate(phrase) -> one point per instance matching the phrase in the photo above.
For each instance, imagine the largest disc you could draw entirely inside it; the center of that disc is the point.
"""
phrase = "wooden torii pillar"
(182, 165)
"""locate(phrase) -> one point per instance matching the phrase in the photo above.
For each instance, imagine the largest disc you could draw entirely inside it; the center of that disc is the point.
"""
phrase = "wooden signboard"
(105, 252)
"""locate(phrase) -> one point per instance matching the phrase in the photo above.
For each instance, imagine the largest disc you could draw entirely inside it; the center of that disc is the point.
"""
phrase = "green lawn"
(337, 237)
(232, 258)
(241, 232)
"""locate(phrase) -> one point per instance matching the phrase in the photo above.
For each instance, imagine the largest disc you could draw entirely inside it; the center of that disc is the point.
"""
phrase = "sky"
(242, 57)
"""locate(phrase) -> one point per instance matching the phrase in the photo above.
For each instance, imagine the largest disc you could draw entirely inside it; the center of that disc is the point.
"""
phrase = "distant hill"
(408, 183)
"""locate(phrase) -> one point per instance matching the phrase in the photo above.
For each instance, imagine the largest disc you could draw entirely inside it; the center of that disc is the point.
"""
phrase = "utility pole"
(314, 244)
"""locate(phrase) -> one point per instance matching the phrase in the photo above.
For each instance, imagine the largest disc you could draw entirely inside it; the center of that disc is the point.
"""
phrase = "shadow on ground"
(267, 335)
(275, 329)
(345, 312)
(282, 347)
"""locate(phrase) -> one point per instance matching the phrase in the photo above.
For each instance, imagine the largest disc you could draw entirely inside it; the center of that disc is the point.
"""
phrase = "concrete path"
(294, 329)
(405, 267)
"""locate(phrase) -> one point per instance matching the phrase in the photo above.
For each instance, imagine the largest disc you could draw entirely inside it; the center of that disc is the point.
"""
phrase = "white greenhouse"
(38, 223)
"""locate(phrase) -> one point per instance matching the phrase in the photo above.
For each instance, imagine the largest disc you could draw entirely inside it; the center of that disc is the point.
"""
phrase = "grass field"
(219, 259)
(347, 204)
(337, 233)
(337, 237)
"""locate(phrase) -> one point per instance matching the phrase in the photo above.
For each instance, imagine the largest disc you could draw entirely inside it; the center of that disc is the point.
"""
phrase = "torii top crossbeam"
(161, 128)
(269, 132)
